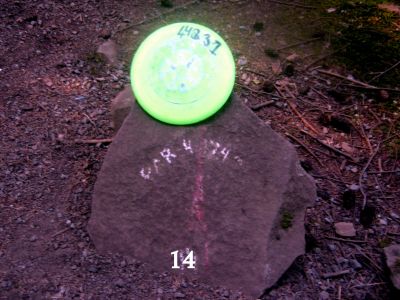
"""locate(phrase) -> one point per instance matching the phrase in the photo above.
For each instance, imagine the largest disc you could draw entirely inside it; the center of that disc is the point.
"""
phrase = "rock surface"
(222, 189)
(110, 52)
(392, 254)
(121, 105)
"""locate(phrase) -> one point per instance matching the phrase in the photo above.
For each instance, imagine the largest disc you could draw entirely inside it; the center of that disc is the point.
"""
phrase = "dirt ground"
(56, 90)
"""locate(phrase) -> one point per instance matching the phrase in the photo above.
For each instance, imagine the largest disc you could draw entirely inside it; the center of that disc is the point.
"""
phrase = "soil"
(55, 90)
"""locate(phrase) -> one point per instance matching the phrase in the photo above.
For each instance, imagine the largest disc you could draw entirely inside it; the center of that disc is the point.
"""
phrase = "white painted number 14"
(189, 260)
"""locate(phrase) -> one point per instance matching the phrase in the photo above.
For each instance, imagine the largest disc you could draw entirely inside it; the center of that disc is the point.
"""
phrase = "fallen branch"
(384, 72)
(305, 147)
(293, 4)
(60, 232)
(293, 108)
(335, 274)
(263, 104)
(254, 91)
(308, 124)
(384, 172)
(94, 141)
(363, 172)
(345, 240)
(328, 146)
(257, 73)
(363, 84)
(298, 44)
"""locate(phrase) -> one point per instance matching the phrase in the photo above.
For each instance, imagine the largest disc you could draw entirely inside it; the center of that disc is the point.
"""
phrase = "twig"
(372, 88)
(293, 108)
(319, 93)
(298, 44)
(254, 91)
(345, 240)
(335, 274)
(368, 284)
(94, 141)
(328, 146)
(263, 104)
(384, 72)
(304, 146)
(308, 124)
(293, 4)
(159, 15)
(257, 73)
(384, 172)
(348, 79)
(60, 232)
(90, 120)
(363, 172)
(321, 59)
(369, 259)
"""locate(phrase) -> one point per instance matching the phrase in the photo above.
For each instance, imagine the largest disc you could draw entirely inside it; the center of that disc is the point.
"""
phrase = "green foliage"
(286, 220)
(166, 3)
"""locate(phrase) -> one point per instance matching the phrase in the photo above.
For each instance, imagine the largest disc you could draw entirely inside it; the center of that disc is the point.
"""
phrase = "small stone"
(242, 61)
(119, 283)
(345, 229)
(179, 295)
(293, 57)
(342, 261)
(324, 295)
(355, 264)
(109, 50)
(354, 187)
(346, 147)
(394, 215)
(48, 82)
(354, 169)
(33, 238)
(332, 247)
(383, 221)
(93, 269)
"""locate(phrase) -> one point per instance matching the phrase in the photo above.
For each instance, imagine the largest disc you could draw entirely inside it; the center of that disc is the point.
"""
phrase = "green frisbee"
(182, 73)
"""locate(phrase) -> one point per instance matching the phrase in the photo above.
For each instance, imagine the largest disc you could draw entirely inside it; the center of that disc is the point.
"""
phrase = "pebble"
(119, 283)
(93, 269)
(332, 247)
(179, 295)
(33, 238)
(355, 264)
(354, 187)
(324, 295)
(345, 229)
(242, 61)
(383, 221)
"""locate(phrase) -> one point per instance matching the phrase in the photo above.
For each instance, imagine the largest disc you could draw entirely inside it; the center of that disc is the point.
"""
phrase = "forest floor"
(55, 90)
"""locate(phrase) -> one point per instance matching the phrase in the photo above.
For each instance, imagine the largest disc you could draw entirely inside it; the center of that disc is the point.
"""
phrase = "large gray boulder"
(229, 189)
